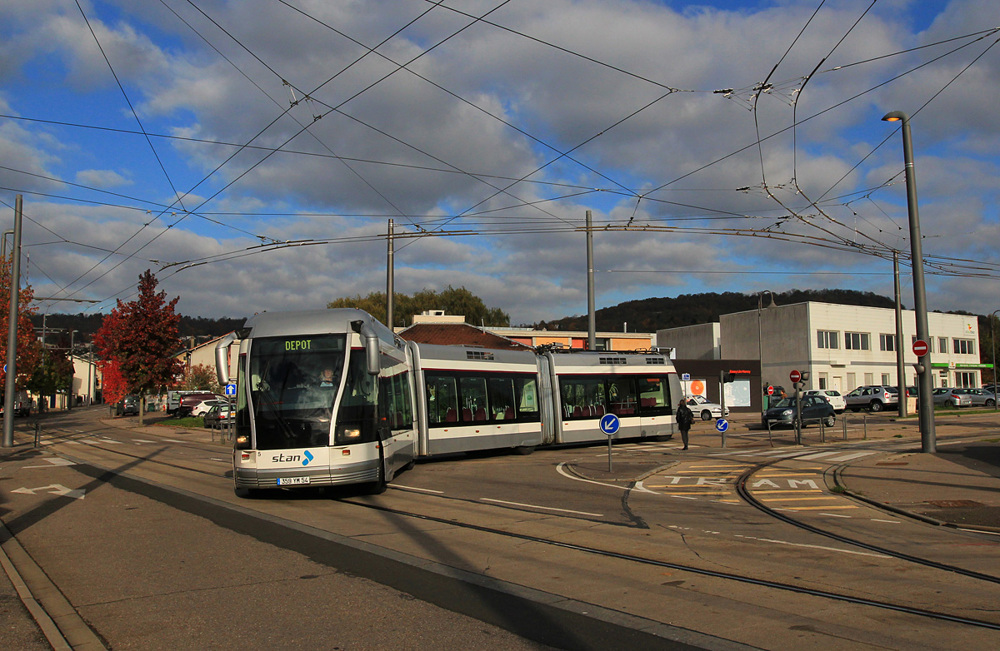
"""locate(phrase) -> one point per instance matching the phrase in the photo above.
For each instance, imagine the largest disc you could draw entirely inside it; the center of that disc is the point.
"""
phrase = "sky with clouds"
(251, 153)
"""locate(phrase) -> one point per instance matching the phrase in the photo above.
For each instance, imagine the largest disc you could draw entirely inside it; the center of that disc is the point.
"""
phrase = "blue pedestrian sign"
(722, 424)
(685, 377)
(230, 389)
(609, 424)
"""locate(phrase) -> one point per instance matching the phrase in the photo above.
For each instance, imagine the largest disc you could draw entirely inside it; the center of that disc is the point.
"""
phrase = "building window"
(942, 344)
(964, 346)
(827, 339)
(885, 379)
(856, 341)
(965, 379)
(887, 343)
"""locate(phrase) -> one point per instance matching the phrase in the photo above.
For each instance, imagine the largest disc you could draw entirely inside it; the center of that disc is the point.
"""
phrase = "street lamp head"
(894, 116)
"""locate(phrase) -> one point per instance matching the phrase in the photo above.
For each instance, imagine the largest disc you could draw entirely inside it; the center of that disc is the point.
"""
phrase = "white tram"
(333, 397)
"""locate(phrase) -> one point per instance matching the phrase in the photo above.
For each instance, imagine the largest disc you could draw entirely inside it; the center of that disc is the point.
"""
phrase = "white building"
(840, 346)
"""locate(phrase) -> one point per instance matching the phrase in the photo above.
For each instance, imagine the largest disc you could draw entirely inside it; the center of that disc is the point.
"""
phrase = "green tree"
(456, 301)
(54, 374)
(141, 336)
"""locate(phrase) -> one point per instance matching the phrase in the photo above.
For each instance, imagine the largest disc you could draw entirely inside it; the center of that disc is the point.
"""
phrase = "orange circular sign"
(697, 387)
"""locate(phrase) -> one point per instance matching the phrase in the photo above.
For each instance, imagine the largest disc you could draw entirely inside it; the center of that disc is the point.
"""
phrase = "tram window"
(394, 401)
(582, 396)
(474, 401)
(654, 395)
(622, 395)
(526, 392)
(442, 400)
(502, 398)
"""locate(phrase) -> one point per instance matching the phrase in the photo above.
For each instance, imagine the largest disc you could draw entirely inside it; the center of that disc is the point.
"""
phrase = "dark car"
(127, 406)
(218, 416)
(815, 409)
(189, 401)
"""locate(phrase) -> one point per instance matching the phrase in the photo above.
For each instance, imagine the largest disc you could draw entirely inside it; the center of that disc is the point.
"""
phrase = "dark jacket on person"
(685, 417)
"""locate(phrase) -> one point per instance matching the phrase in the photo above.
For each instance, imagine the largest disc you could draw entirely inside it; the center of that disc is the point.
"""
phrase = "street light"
(924, 385)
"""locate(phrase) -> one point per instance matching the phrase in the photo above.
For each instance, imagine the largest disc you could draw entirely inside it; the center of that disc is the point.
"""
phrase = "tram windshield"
(293, 384)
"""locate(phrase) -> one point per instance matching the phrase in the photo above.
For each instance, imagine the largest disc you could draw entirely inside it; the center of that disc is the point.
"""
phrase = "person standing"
(685, 417)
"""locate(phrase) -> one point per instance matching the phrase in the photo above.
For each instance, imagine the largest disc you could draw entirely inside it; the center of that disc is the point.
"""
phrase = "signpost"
(722, 425)
(609, 425)
(228, 427)
(794, 376)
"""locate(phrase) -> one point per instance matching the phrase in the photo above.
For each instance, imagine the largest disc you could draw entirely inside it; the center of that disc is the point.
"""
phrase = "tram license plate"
(289, 481)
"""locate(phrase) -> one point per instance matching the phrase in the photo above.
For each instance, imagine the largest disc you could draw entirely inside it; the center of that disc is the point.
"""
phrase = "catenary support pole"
(900, 371)
(15, 291)
(591, 315)
(389, 280)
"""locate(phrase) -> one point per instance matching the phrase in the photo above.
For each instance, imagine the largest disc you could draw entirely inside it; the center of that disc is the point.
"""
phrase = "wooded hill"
(652, 314)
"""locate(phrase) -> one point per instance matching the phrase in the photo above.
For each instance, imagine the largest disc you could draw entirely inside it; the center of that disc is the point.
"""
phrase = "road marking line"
(886, 521)
(836, 515)
(143, 441)
(816, 508)
(855, 455)
(417, 490)
(544, 508)
(830, 549)
(798, 491)
(800, 499)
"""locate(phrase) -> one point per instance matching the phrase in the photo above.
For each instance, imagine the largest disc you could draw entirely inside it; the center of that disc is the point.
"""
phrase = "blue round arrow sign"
(722, 424)
(609, 424)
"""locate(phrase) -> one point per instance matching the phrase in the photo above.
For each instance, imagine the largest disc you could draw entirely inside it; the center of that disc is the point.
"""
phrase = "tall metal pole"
(900, 373)
(993, 340)
(390, 264)
(591, 315)
(15, 291)
(928, 437)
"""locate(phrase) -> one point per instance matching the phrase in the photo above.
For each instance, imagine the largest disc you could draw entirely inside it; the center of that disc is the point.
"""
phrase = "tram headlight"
(347, 434)
(242, 442)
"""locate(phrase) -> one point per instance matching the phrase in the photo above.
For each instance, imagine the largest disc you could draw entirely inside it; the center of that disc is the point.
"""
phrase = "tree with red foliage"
(141, 337)
(29, 349)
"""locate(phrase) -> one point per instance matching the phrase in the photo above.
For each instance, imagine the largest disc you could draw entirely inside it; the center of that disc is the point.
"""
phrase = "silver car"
(979, 397)
(873, 397)
(948, 397)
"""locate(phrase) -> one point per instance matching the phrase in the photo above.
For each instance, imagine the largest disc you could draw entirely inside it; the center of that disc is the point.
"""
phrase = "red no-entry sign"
(920, 348)
(794, 376)
(770, 390)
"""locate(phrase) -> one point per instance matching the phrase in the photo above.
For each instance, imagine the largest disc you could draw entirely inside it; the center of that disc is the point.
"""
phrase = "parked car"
(188, 402)
(22, 404)
(218, 416)
(700, 405)
(980, 397)
(874, 397)
(127, 406)
(202, 407)
(833, 397)
(948, 397)
(815, 409)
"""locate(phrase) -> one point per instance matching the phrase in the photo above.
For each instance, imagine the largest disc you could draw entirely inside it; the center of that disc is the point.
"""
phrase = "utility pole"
(389, 280)
(591, 315)
(15, 291)
(900, 374)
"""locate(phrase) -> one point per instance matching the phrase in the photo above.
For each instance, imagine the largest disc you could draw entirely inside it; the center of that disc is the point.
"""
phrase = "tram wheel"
(524, 449)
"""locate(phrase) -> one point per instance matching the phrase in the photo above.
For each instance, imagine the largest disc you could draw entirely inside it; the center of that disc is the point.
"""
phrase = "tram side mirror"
(372, 352)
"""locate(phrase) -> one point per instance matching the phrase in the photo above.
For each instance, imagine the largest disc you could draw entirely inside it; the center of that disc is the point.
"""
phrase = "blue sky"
(251, 153)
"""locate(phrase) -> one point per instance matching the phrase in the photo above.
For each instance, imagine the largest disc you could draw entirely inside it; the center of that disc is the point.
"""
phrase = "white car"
(833, 397)
(202, 407)
(707, 410)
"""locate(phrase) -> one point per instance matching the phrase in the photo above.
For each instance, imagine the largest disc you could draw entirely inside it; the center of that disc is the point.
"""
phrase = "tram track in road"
(681, 567)
(747, 496)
